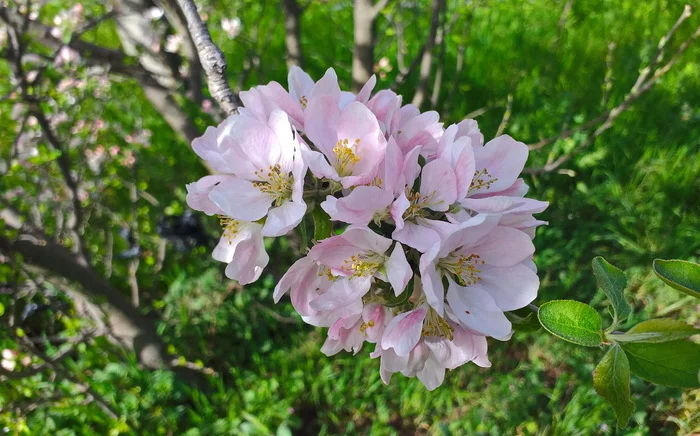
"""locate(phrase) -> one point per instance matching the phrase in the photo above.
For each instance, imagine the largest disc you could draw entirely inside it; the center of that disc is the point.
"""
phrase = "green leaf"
(611, 380)
(572, 321)
(613, 282)
(681, 275)
(657, 330)
(322, 224)
(2, 309)
(674, 363)
(523, 320)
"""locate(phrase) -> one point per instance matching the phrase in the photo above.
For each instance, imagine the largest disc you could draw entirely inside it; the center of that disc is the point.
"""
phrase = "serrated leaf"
(657, 330)
(674, 363)
(572, 321)
(681, 275)
(613, 282)
(611, 380)
(322, 224)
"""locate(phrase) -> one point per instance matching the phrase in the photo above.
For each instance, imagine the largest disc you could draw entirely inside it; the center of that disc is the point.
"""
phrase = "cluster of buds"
(431, 236)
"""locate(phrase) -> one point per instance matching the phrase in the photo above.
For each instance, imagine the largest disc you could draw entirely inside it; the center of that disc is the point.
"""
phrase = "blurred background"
(114, 318)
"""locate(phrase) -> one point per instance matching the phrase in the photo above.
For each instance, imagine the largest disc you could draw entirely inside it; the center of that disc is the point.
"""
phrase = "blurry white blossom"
(232, 26)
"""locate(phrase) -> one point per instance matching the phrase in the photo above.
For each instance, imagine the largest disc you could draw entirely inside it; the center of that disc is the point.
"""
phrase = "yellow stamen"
(303, 101)
(463, 267)
(345, 156)
(275, 183)
(434, 325)
(230, 226)
(363, 265)
(365, 326)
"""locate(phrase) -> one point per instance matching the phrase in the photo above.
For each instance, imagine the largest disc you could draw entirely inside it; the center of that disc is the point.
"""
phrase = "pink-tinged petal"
(334, 252)
(251, 146)
(464, 171)
(300, 85)
(321, 118)
(341, 293)
(359, 126)
(416, 359)
(198, 194)
(346, 97)
(420, 129)
(438, 185)
(385, 105)
(373, 316)
(336, 330)
(360, 206)
(432, 280)
(470, 129)
(207, 147)
(328, 86)
(512, 287)
(398, 270)
(241, 200)
(416, 236)
(504, 158)
(469, 233)
(363, 95)
(462, 347)
(279, 124)
(318, 164)
(477, 310)
(293, 275)
(366, 240)
(404, 331)
(390, 363)
(518, 189)
(481, 357)
(432, 375)
(391, 170)
(411, 167)
(282, 219)
(497, 204)
(398, 208)
(245, 253)
(505, 246)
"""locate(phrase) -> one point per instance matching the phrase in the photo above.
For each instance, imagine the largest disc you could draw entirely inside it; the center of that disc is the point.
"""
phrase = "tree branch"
(292, 28)
(427, 58)
(211, 57)
(605, 120)
(364, 36)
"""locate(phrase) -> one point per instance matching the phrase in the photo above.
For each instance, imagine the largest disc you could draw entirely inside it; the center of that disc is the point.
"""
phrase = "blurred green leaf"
(611, 380)
(657, 330)
(613, 282)
(322, 224)
(572, 321)
(524, 320)
(674, 363)
(681, 275)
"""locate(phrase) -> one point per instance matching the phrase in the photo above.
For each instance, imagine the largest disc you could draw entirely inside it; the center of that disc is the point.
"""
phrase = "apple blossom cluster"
(432, 235)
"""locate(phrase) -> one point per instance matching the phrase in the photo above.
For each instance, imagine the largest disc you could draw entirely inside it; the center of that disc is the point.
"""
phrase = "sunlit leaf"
(681, 275)
(611, 381)
(572, 321)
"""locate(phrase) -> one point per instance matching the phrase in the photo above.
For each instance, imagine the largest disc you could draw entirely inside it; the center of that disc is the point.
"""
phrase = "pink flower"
(349, 141)
(241, 245)
(266, 171)
(485, 266)
(419, 343)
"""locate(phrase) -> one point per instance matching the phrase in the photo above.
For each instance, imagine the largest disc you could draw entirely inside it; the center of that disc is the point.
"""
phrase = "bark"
(364, 35)
(213, 61)
(427, 59)
(124, 321)
(292, 28)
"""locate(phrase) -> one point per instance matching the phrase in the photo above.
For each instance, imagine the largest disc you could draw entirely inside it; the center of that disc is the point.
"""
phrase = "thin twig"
(212, 59)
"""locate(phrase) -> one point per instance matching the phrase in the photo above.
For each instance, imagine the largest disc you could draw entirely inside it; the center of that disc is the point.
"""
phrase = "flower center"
(482, 180)
(345, 156)
(417, 203)
(434, 325)
(303, 101)
(464, 268)
(363, 265)
(230, 226)
(275, 183)
(365, 325)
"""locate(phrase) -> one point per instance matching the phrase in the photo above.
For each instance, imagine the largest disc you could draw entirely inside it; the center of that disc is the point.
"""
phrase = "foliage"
(630, 197)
